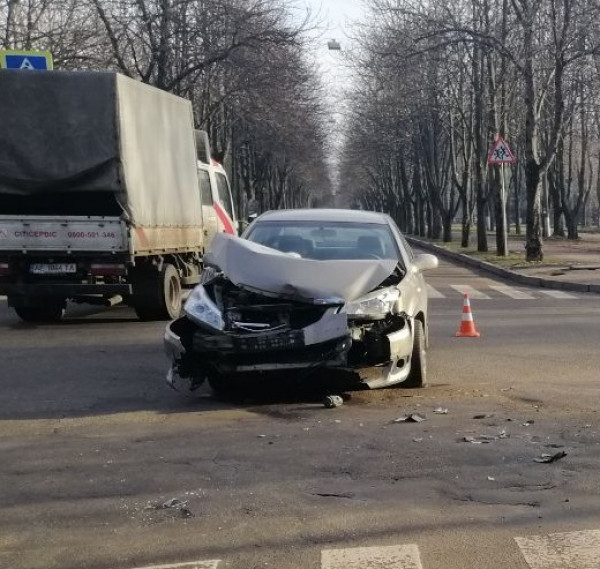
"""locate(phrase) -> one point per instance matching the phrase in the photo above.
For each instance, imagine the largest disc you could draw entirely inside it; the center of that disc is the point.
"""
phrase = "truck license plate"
(52, 268)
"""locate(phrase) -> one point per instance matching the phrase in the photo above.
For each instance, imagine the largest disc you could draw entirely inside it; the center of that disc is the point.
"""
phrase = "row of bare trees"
(436, 82)
(243, 64)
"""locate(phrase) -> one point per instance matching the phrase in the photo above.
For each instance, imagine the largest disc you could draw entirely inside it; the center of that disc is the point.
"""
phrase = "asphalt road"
(92, 442)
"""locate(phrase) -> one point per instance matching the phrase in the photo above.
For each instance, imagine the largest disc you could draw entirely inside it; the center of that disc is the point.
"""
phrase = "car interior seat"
(369, 246)
(294, 244)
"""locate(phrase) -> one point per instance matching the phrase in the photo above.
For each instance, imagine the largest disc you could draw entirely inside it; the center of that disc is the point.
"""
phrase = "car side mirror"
(425, 262)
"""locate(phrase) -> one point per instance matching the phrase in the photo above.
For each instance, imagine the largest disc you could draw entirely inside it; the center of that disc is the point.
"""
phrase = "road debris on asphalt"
(483, 416)
(484, 439)
(528, 422)
(411, 418)
(332, 401)
(347, 495)
(418, 440)
(491, 478)
(441, 410)
(175, 504)
(546, 458)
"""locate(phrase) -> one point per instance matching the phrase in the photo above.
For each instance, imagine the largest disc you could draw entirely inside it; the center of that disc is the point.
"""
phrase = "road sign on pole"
(32, 60)
(501, 153)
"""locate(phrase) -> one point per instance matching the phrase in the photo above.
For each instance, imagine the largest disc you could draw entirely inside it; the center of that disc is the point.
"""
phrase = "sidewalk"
(567, 265)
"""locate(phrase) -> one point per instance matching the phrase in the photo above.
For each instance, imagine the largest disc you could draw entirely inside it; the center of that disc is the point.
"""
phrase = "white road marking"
(433, 293)
(212, 564)
(570, 550)
(389, 557)
(472, 292)
(512, 292)
(558, 294)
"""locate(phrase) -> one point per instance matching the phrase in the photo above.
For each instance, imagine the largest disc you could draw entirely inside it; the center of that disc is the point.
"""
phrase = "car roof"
(334, 215)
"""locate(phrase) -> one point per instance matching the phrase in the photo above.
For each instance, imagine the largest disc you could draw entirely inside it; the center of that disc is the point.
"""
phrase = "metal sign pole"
(504, 218)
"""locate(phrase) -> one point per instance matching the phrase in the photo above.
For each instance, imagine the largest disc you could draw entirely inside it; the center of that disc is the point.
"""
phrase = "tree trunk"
(557, 214)
(480, 152)
(437, 225)
(517, 210)
(533, 236)
(447, 230)
(466, 224)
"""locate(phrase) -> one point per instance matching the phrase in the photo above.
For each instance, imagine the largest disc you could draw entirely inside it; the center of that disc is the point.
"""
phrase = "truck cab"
(218, 213)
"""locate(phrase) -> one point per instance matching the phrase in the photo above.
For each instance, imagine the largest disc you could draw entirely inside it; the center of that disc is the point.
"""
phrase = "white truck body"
(99, 169)
(52, 234)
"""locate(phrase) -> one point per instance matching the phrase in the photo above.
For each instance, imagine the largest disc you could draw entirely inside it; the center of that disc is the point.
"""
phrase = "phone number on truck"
(91, 234)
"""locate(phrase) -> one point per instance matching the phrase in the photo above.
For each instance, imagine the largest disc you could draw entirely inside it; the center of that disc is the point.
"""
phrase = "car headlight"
(200, 308)
(380, 302)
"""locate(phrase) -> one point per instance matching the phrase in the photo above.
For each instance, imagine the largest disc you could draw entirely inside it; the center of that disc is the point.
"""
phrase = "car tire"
(51, 311)
(224, 386)
(417, 376)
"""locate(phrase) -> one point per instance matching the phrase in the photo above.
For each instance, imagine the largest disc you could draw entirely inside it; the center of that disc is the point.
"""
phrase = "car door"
(209, 215)
(224, 205)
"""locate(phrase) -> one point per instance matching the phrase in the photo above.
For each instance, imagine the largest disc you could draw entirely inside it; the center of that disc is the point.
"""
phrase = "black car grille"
(248, 343)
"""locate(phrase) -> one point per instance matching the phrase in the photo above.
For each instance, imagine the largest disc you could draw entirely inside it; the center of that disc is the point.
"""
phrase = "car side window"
(205, 190)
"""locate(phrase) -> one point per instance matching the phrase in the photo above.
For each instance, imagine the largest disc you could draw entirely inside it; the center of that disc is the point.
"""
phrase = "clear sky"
(336, 14)
(335, 17)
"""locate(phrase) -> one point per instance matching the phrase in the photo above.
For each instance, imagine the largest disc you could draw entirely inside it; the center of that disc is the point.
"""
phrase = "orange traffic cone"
(467, 326)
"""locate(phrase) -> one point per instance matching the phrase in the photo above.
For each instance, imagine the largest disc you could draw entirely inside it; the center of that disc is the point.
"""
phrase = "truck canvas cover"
(84, 137)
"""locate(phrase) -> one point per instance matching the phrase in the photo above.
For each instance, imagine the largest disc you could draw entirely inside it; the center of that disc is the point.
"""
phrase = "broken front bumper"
(378, 359)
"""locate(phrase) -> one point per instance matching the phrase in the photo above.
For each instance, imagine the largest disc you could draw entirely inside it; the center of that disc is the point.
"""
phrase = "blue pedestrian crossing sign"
(30, 60)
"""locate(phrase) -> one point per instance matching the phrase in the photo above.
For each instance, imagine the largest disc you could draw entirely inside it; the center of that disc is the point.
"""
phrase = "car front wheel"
(418, 361)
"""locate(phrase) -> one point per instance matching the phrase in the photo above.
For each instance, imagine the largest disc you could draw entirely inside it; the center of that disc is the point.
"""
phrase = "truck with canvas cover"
(107, 194)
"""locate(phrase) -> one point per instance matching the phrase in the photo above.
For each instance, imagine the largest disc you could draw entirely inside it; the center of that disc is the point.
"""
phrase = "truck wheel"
(417, 376)
(51, 311)
(157, 294)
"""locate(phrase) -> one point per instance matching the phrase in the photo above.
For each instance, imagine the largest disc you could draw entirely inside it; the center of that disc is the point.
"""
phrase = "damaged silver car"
(304, 290)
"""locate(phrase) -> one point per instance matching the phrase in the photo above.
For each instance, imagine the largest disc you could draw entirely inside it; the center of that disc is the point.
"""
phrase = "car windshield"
(326, 240)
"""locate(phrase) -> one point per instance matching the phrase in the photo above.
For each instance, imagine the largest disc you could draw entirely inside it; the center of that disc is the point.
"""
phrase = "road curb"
(514, 276)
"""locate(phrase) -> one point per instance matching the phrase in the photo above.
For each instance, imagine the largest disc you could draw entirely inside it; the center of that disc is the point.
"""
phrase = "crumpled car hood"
(262, 269)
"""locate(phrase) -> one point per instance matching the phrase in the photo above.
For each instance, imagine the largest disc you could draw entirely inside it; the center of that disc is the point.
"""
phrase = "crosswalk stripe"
(472, 292)
(211, 564)
(433, 293)
(512, 292)
(558, 294)
(386, 557)
(569, 550)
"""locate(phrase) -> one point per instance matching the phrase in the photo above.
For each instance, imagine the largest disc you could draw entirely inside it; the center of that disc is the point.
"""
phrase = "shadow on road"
(50, 382)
